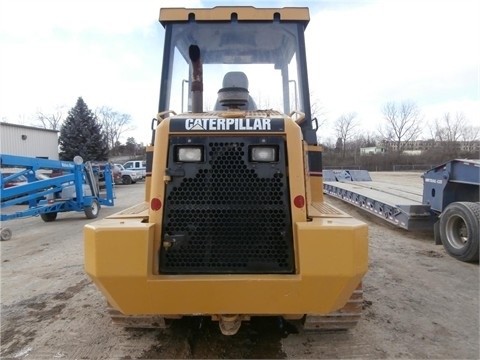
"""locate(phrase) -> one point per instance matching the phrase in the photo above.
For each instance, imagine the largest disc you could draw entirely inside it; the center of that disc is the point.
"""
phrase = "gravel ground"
(419, 303)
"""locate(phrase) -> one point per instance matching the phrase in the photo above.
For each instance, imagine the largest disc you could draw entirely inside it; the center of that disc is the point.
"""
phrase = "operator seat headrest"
(234, 93)
(235, 79)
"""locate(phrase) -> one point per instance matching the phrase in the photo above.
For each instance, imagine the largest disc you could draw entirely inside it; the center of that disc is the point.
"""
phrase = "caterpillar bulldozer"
(234, 224)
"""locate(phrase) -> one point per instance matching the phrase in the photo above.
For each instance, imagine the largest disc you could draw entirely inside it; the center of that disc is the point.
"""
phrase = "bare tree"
(403, 124)
(318, 111)
(450, 131)
(113, 123)
(459, 128)
(448, 128)
(344, 127)
(52, 121)
(366, 139)
(470, 133)
(319, 117)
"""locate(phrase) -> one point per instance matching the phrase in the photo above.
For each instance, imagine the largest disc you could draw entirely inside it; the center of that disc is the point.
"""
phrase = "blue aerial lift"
(73, 186)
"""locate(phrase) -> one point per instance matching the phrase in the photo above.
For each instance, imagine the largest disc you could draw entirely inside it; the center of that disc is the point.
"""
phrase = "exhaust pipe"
(197, 79)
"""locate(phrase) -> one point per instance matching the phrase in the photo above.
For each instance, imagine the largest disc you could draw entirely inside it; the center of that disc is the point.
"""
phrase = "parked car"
(18, 180)
(99, 170)
(42, 176)
(116, 174)
(128, 176)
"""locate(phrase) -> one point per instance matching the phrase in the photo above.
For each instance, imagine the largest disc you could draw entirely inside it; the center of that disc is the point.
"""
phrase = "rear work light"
(189, 153)
(263, 153)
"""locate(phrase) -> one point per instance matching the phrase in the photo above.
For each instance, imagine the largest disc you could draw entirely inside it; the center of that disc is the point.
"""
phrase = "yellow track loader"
(233, 224)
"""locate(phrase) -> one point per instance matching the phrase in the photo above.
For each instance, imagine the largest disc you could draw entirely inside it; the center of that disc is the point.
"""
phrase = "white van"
(137, 165)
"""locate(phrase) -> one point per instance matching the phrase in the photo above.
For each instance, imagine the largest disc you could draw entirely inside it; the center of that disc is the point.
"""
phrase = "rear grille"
(227, 215)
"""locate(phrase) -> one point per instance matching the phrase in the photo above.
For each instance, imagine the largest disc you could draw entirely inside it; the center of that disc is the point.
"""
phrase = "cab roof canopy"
(237, 43)
(240, 13)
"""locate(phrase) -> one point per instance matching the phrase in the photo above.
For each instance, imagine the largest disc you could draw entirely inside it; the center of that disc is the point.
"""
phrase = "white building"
(28, 141)
(372, 150)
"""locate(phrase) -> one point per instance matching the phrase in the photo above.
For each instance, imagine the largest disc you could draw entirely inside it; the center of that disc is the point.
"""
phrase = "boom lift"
(234, 223)
(75, 188)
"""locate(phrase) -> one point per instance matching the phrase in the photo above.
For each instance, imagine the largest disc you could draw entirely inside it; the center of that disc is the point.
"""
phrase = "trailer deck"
(396, 197)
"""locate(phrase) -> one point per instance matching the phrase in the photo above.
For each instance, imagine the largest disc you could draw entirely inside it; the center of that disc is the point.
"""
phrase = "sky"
(361, 55)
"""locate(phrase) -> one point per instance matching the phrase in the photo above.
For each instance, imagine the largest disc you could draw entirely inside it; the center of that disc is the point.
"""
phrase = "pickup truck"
(137, 165)
(128, 176)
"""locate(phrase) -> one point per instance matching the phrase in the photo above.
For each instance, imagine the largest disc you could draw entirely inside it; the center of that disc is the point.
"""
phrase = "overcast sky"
(361, 55)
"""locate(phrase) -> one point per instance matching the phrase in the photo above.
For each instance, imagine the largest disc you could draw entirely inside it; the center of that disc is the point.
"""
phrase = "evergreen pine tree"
(81, 134)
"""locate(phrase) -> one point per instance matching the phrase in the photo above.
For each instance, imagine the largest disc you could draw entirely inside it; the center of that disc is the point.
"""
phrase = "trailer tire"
(49, 217)
(459, 230)
(91, 212)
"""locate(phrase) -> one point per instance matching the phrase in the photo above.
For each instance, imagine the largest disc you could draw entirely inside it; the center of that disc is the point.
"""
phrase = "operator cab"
(269, 52)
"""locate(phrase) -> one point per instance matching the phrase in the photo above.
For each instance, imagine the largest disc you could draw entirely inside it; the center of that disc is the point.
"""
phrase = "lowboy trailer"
(447, 202)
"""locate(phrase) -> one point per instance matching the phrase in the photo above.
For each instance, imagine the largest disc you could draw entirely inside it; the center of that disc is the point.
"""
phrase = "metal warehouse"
(28, 141)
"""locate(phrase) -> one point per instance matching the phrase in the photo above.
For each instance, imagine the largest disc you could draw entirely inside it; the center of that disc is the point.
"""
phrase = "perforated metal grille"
(227, 215)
